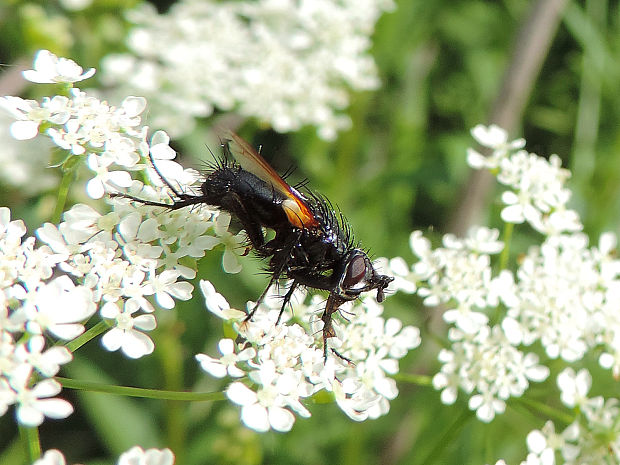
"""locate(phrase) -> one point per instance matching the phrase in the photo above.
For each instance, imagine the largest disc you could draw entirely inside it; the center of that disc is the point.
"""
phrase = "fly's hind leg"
(279, 262)
(287, 299)
(274, 278)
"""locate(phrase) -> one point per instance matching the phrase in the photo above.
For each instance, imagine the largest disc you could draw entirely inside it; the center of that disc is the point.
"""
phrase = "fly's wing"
(295, 206)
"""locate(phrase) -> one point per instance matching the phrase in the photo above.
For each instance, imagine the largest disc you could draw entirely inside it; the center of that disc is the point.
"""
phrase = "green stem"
(91, 333)
(503, 258)
(420, 380)
(171, 358)
(30, 438)
(545, 409)
(63, 192)
(140, 392)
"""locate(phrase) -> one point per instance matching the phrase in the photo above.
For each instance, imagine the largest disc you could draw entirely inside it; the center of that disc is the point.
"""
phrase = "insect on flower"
(312, 246)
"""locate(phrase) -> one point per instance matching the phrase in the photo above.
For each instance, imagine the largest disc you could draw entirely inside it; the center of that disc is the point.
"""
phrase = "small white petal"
(255, 417)
(23, 130)
(240, 394)
(281, 419)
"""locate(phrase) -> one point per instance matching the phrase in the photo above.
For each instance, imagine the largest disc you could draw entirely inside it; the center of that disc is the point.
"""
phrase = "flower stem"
(63, 192)
(140, 392)
(546, 410)
(420, 380)
(30, 438)
(91, 333)
(503, 258)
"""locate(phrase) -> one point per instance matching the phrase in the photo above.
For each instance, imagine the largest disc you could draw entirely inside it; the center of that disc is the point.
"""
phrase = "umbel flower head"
(286, 365)
(286, 63)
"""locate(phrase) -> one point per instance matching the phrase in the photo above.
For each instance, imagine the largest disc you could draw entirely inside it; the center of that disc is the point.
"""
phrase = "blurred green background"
(442, 64)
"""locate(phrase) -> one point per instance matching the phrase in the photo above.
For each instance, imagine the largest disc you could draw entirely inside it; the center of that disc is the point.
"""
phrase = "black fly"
(312, 245)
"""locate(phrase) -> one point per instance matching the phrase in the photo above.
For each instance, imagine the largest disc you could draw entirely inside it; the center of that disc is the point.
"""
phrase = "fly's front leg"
(333, 304)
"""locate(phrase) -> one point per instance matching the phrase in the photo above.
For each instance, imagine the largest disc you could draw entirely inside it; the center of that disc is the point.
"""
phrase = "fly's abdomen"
(244, 195)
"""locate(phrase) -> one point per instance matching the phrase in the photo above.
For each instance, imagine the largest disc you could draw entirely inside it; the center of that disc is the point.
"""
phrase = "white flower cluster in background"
(285, 362)
(564, 294)
(538, 195)
(134, 456)
(109, 137)
(288, 63)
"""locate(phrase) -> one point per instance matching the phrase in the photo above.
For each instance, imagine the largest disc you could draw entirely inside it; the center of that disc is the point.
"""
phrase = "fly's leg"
(274, 278)
(280, 260)
(184, 201)
(287, 299)
(333, 304)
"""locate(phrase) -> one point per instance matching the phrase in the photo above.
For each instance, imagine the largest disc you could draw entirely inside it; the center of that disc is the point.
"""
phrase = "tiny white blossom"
(260, 411)
(48, 68)
(33, 404)
(165, 286)
(59, 307)
(495, 137)
(233, 243)
(227, 363)
(574, 386)
(217, 304)
(48, 362)
(126, 335)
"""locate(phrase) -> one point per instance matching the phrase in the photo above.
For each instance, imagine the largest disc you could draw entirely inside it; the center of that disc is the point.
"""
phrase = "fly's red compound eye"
(356, 272)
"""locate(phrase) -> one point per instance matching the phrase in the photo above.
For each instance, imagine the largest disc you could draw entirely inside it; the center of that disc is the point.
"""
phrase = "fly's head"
(359, 275)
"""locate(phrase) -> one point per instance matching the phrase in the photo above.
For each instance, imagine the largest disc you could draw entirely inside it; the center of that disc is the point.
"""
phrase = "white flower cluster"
(483, 361)
(538, 196)
(135, 455)
(564, 293)
(489, 366)
(286, 365)
(568, 299)
(34, 304)
(285, 62)
(594, 437)
(118, 260)
(86, 126)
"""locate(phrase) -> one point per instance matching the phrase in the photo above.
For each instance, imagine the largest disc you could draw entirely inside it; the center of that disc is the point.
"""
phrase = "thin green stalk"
(30, 438)
(171, 358)
(63, 192)
(140, 392)
(505, 255)
(420, 380)
(547, 410)
(91, 333)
